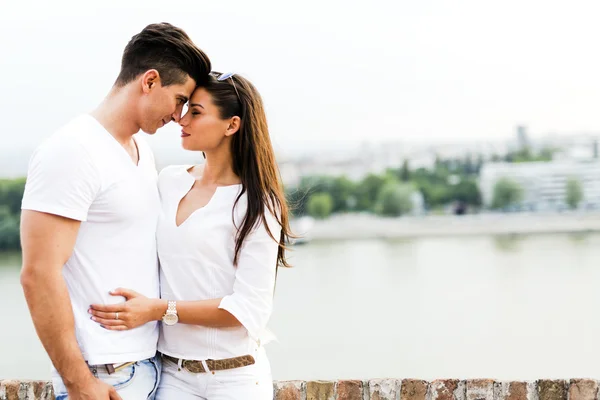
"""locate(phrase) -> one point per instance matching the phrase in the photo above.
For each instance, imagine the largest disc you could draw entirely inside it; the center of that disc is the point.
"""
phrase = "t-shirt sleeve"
(252, 299)
(61, 180)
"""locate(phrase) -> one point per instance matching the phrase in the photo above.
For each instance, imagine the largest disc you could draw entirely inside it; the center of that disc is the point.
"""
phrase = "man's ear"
(150, 80)
(234, 126)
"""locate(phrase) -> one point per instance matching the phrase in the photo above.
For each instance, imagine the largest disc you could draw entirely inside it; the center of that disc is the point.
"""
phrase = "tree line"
(392, 193)
(395, 192)
(11, 193)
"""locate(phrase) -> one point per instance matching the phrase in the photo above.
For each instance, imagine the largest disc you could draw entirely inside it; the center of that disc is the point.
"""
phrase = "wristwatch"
(170, 317)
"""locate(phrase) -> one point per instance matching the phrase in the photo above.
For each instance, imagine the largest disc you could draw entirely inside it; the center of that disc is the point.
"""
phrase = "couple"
(96, 214)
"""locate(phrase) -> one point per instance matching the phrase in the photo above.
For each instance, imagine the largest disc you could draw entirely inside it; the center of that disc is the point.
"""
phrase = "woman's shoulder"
(174, 170)
(171, 174)
(271, 212)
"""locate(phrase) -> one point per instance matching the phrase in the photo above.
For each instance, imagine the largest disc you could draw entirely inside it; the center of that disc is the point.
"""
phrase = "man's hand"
(92, 389)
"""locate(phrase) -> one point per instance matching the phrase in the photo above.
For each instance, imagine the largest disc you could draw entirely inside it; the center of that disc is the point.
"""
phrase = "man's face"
(162, 104)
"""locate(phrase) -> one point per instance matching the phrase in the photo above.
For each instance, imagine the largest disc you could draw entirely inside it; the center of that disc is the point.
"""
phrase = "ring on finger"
(117, 315)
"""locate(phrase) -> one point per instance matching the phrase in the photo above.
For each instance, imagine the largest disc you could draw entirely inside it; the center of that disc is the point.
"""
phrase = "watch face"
(170, 319)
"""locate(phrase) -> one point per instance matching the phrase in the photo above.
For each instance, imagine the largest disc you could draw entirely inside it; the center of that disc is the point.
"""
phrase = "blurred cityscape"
(549, 173)
(533, 173)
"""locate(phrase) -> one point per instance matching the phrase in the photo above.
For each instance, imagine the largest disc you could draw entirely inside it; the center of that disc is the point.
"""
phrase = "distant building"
(544, 183)
(522, 137)
(418, 203)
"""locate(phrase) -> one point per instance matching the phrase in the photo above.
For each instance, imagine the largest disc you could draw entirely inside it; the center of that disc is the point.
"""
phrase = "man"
(89, 216)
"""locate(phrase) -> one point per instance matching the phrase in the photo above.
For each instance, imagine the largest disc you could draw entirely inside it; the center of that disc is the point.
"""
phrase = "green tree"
(11, 194)
(526, 155)
(405, 172)
(366, 192)
(546, 154)
(320, 205)
(297, 199)
(574, 193)
(506, 192)
(9, 230)
(341, 190)
(342, 193)
(467, 191)
(394, 199)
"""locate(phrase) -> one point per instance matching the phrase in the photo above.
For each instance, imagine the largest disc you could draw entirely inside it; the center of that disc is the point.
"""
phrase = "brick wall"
(382, 389)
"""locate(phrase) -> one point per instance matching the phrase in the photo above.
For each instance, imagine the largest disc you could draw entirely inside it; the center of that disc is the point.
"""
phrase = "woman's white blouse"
(196, 263)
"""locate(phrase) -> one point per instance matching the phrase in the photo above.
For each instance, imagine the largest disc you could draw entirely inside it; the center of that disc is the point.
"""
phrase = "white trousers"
(253, 382)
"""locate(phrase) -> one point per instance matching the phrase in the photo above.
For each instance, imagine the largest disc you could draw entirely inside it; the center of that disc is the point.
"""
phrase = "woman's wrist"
(160, 308)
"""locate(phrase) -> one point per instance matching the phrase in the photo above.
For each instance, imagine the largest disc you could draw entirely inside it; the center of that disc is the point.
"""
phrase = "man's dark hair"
(167, 49)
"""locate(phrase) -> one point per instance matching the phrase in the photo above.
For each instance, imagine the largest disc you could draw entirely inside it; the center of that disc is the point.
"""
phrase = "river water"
(493, 307)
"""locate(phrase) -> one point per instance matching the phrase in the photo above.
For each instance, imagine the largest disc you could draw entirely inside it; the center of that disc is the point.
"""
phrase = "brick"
(9, 390)
(383, 389)
(27, 390)
(320, 390)
(447, 389)
(289, 390)
(552, 389)
(512, 391)
(480, 389)
(413, 389)
(44, 391)
(583, 389)
(349, 390)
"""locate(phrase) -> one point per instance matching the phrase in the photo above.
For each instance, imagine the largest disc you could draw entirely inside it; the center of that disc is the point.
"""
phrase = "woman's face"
(203, 128)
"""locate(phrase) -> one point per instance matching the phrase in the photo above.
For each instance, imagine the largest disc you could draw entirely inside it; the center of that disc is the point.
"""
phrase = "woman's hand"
(136, 311)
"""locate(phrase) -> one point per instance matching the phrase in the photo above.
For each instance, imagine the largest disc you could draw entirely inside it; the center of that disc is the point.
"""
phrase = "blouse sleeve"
(252, 299)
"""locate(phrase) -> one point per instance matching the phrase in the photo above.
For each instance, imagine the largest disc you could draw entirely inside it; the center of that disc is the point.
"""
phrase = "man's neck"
(115, 115)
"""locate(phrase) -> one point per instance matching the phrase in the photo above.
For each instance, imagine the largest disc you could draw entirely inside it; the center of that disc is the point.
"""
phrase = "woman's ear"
(234, 126)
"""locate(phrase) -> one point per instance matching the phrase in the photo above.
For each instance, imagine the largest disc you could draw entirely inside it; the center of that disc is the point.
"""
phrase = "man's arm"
(48, 241)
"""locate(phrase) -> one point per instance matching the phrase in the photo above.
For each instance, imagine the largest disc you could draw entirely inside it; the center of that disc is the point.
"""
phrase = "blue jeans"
(135, 382)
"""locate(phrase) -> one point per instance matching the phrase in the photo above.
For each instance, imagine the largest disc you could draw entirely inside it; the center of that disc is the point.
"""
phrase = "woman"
(220, 237)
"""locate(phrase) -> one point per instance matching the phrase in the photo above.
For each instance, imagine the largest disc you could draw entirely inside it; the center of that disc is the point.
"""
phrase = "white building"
(544, 183)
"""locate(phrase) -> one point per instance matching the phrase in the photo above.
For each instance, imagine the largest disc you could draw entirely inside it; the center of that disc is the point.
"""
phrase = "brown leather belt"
(197, 367)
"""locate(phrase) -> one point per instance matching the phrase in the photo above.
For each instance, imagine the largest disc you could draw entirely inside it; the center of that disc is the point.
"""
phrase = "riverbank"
(365, 226)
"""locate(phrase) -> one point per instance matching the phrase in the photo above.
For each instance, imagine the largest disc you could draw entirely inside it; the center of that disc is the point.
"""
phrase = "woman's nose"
(181, 121)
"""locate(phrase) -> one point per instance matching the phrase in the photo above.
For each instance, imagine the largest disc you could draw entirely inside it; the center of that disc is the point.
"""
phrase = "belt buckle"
(112, 368)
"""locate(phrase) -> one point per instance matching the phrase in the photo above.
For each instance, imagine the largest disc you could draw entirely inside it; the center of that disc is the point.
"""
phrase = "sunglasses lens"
(225, 76)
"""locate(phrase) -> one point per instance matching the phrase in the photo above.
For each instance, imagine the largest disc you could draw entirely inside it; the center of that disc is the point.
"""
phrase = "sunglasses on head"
(227, 75)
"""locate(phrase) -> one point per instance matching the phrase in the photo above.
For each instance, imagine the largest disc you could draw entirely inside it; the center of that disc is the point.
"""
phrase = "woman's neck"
(218, 170)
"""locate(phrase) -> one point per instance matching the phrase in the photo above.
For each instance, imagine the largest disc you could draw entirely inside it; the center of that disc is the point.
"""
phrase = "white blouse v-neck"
(196, 263)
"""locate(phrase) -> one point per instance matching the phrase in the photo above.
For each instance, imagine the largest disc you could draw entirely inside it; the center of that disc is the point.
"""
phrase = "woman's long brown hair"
(253, 159)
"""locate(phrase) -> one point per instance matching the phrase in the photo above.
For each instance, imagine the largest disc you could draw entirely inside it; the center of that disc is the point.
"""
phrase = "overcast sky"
(340, 71)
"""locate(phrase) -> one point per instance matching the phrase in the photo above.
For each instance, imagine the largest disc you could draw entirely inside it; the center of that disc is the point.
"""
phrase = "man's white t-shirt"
(81, 172)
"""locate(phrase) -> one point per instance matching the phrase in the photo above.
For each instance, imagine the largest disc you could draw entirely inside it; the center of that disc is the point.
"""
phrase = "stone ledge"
(382, 389)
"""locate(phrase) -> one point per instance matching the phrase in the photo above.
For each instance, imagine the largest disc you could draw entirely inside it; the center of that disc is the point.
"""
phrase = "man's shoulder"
(73, 134)
(70, 146)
